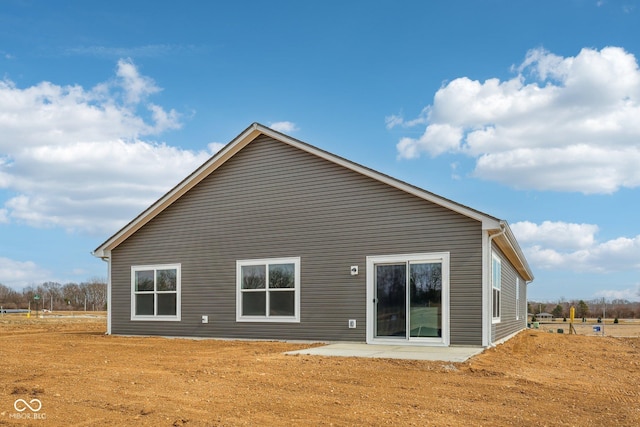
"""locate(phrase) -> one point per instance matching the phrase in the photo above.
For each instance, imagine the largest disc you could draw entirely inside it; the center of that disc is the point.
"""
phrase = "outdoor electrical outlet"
(352, 323)
(354, 270)
(205, 319)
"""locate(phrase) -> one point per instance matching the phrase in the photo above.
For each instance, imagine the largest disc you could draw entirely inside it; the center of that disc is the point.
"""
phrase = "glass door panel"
(391, 305)
(425, 300)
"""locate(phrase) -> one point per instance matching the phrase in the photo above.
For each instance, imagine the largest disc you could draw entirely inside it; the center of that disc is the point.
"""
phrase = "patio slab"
(444, 354)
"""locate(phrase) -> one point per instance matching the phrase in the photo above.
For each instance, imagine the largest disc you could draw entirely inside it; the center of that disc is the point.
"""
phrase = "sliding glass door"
(409, 299)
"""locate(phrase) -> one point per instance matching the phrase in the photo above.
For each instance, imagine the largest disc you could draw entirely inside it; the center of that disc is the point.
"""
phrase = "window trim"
(496, 260)
(268, 318)
(517, 298)
(158, 318)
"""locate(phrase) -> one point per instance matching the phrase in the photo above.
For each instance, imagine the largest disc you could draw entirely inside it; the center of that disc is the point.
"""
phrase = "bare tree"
(72, 295)
(8, 297)
(96, 293)
(52, 295)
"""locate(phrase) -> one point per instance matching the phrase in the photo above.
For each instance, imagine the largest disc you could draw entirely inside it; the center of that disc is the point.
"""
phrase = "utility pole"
(604, 314)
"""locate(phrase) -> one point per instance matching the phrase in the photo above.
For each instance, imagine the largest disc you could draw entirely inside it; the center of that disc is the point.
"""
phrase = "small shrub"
(615, 320)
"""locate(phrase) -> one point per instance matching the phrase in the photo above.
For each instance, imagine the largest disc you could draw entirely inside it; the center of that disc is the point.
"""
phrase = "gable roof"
(505, 240)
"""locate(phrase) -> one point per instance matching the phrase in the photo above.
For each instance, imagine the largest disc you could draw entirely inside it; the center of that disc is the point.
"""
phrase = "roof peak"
(246, 137)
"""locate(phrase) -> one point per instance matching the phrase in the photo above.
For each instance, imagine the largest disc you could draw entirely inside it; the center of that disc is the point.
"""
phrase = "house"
(544, 316)
(273, 238)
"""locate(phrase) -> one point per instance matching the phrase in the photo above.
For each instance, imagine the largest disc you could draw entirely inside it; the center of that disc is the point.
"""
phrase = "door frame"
(443, 258)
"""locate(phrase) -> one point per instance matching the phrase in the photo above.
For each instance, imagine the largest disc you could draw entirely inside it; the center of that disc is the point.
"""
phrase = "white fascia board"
(509, 245)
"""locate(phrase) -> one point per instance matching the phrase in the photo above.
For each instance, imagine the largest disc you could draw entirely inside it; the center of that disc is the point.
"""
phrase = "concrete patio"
(444, 354)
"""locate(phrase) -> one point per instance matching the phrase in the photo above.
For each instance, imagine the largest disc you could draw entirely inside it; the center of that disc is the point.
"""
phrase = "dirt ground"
(81, 377)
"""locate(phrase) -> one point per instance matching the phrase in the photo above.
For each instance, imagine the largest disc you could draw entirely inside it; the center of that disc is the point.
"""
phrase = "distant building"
(544, 316)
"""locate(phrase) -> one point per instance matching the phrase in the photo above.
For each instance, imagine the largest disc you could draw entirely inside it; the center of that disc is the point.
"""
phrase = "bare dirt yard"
(72, 374)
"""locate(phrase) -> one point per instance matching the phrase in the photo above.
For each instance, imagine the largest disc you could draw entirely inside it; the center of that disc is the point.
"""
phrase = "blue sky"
(528, 111)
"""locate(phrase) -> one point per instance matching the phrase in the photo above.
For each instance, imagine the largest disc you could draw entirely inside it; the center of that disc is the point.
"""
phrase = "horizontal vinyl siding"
(272, 200)
(508, 323)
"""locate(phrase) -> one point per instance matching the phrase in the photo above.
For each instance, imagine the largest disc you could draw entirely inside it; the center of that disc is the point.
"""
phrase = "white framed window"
(517, 298)
(496, 287)
(155, 292)
(268, 290)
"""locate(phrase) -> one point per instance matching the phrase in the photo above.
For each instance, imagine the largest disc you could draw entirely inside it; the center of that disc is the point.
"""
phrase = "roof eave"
(509, 246)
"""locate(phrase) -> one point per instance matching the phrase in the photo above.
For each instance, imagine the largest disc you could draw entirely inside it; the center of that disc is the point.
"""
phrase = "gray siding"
(273, 200)
(509, 324)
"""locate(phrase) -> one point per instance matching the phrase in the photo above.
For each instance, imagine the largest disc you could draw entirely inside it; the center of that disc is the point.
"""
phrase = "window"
(517, 298)
(496, 284)
(268, 290)
(155, 292)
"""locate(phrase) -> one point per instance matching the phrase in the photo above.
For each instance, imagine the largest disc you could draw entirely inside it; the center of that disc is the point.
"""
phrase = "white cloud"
(285, 127)
(454, 167)
(143, 51)
(136, 87)
(574, 247)
(630, 294)
(437, 139)
(214, 147)
(564, 124)
(558, 234)
(397, 119)
(393, 121)
(77, 158)
(18, 274)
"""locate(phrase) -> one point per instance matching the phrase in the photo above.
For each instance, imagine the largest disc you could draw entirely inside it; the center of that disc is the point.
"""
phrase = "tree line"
(90, 295)
(615, 308)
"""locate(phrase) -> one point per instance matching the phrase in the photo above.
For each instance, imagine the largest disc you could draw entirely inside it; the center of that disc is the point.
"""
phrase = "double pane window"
(155, 292)
(268, 290)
